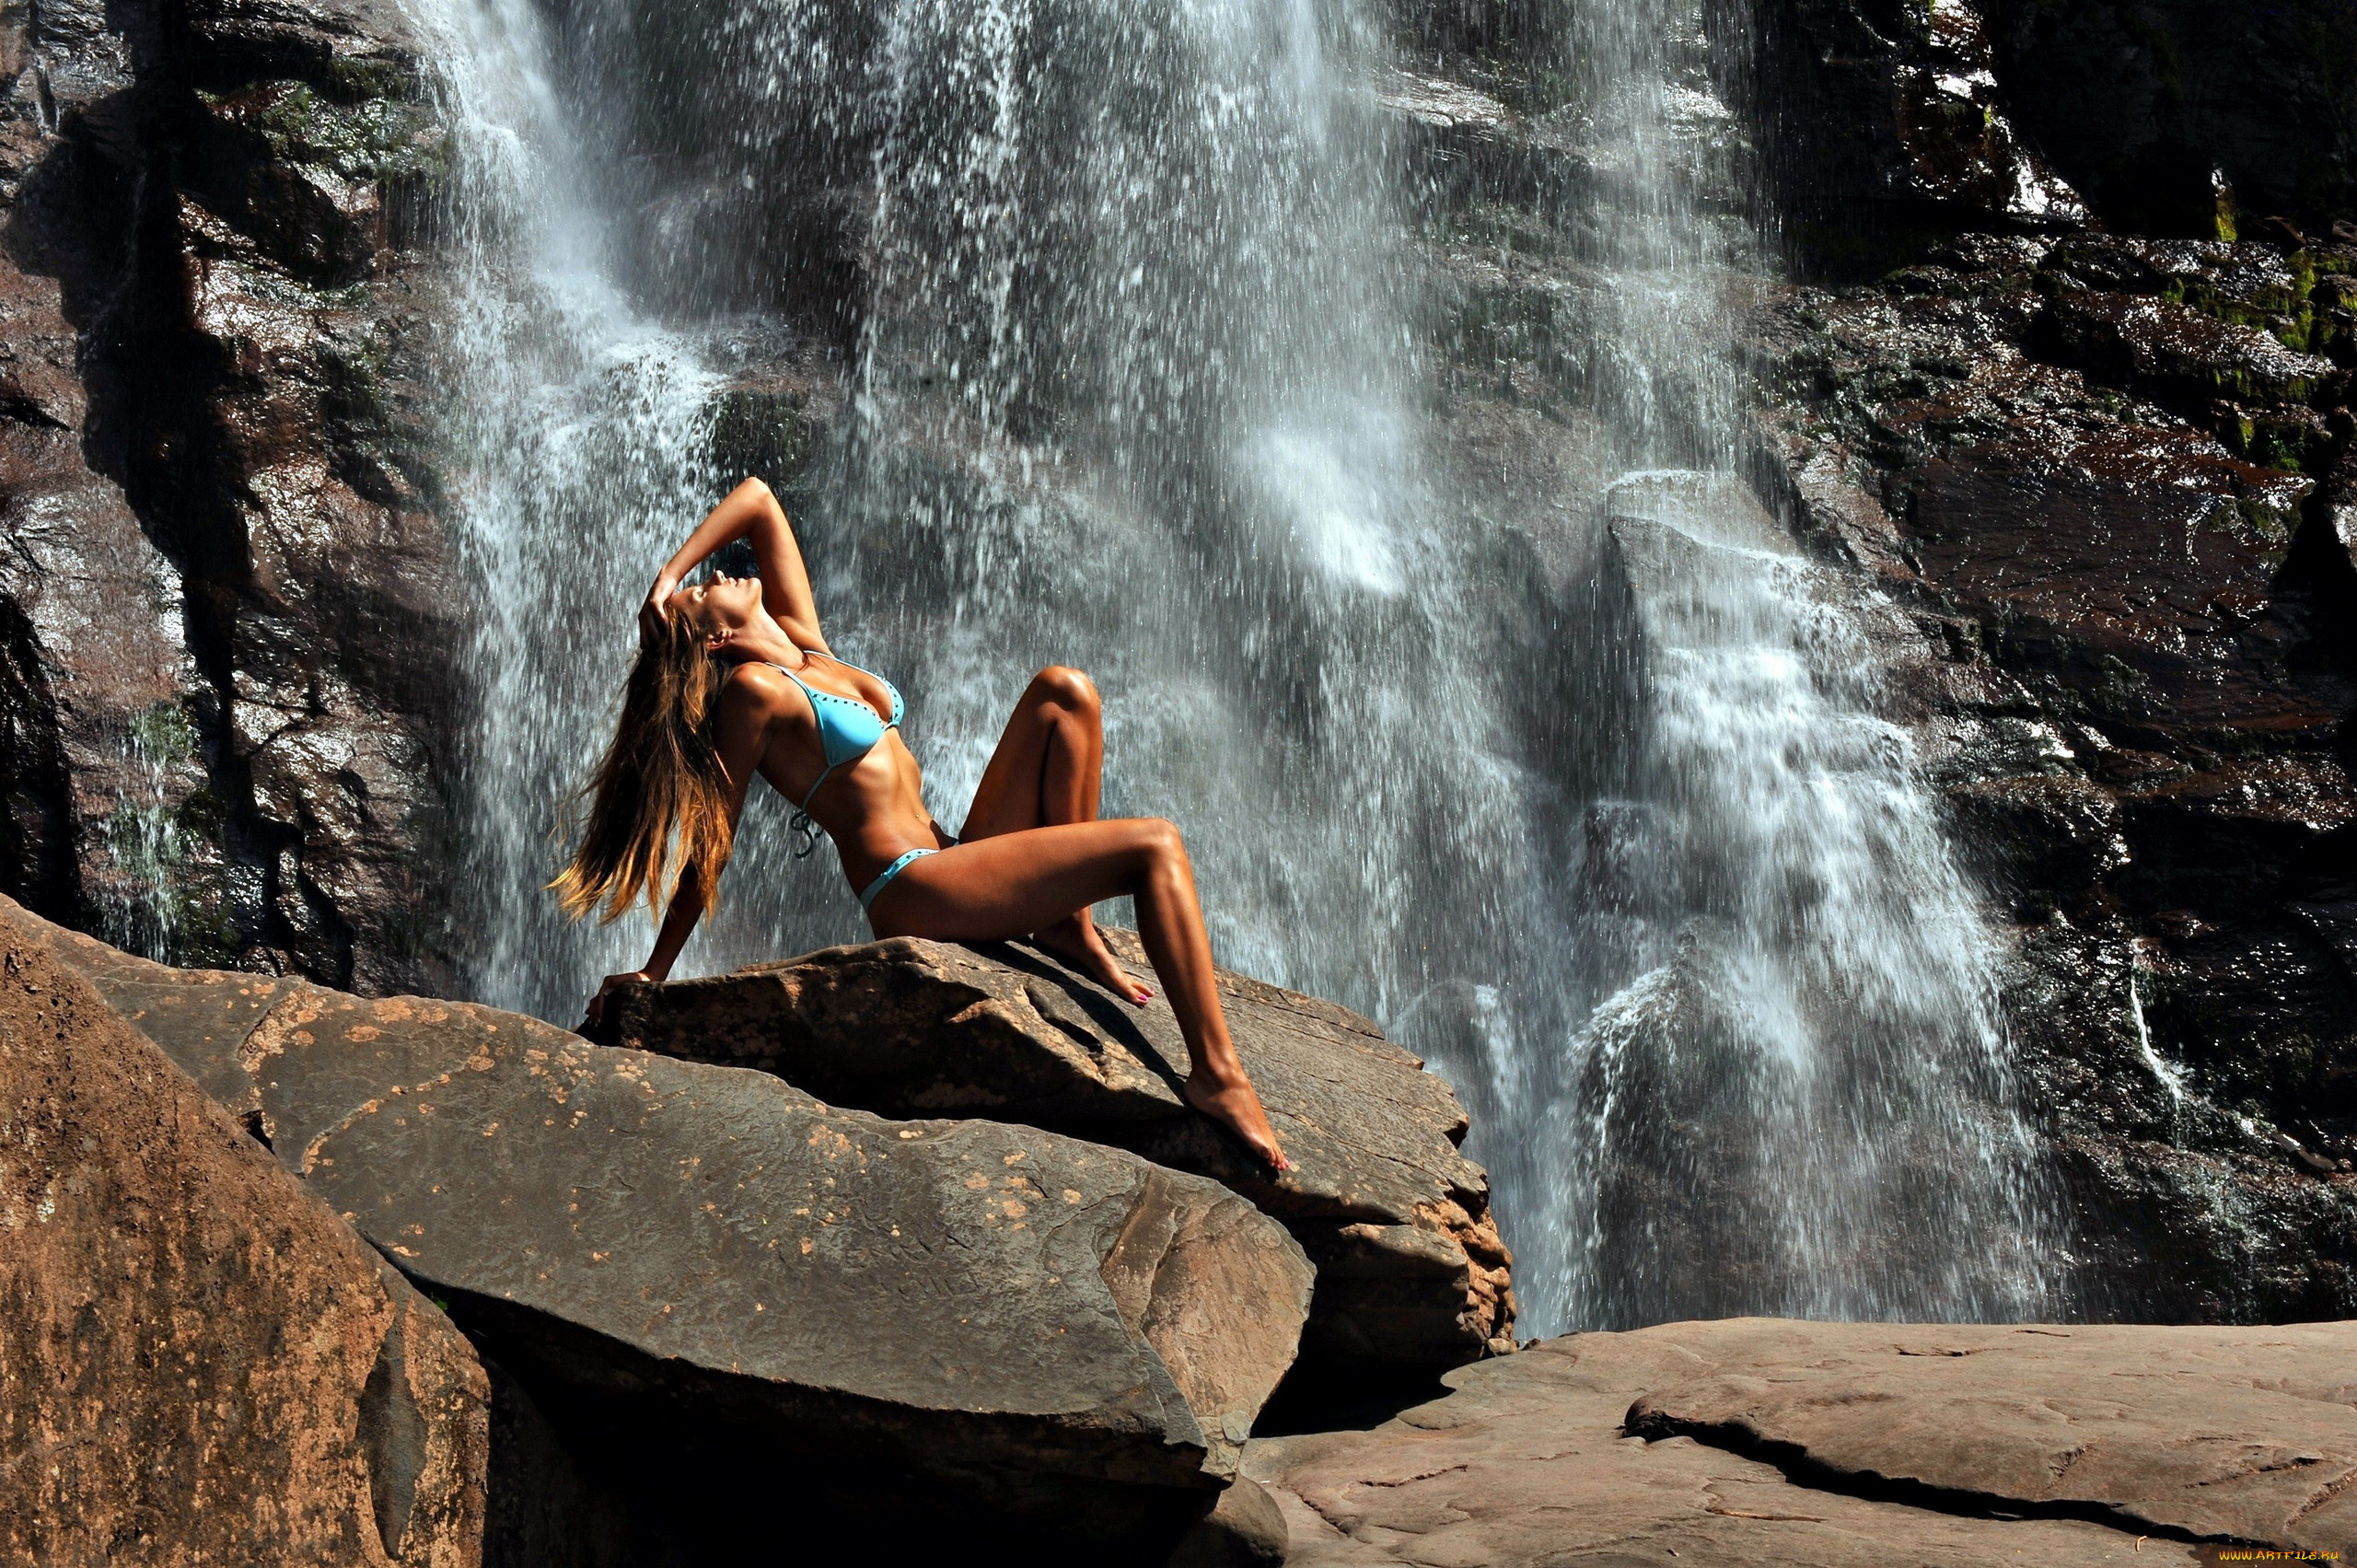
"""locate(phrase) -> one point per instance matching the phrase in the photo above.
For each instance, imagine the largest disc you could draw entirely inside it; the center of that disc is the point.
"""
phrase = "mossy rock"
(378, 138)
(766, 434)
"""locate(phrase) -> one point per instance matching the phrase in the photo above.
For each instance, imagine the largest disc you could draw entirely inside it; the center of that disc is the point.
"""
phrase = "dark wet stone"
(2122, 652)
(2183, 117)
(2173, 350)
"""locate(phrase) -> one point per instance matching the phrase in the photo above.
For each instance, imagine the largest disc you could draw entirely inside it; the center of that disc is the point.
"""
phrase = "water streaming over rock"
(1106, 314)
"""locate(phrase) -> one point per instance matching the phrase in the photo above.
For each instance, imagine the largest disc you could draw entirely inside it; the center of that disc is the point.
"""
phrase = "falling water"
(1104, 307)
(1792, 1093)
(144, 843)
(571, 450)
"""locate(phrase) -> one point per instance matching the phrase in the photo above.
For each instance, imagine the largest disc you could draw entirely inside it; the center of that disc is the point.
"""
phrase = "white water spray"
(1132, 384)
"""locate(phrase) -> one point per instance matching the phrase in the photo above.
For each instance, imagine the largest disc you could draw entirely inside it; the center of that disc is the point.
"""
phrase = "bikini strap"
(802, 827)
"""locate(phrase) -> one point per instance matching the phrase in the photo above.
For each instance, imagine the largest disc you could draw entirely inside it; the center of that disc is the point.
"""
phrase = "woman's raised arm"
(750, 512)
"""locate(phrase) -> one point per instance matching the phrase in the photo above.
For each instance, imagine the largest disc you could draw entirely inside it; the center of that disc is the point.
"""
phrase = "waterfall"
(1792, 1092)
(1109, 313)
(572, 440)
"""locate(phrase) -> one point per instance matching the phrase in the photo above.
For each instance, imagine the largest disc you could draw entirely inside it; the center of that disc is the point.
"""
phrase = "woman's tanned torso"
(874, 809)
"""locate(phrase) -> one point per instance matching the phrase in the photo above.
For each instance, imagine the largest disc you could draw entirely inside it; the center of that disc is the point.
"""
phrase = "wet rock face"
(1411, 1270)
(1891, 125)
(229, 614)
(2173, 114)
(2101, 478)
(1889, 122)
(705, 1274)
(201, 1362)
(1757, 1440)
(97, 760)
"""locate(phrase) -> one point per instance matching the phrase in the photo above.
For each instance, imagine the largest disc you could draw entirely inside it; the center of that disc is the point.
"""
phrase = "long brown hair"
(661, 775)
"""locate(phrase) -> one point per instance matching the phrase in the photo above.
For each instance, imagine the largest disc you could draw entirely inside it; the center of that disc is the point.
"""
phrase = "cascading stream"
(1792, 1092)
(1130, 380)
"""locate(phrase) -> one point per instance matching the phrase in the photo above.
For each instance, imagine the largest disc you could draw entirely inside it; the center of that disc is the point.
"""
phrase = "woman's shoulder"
(762, 686)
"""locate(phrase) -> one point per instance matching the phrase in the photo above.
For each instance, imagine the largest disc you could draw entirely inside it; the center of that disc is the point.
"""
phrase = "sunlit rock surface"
(1411, 1270)
(1818, 1444)
(2212, 1435)
(709, 1269)
(200, 1362)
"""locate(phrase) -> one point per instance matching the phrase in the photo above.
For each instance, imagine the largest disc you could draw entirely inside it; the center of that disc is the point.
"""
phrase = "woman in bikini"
(734, 678)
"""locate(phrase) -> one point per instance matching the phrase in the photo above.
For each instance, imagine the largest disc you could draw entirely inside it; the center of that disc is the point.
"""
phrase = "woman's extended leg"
(1012, 883)
(1047, 771)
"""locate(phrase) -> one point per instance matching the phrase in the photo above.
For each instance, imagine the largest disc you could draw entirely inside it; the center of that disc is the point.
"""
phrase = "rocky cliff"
(2083, 446)
(227, 609)
(2103, 480)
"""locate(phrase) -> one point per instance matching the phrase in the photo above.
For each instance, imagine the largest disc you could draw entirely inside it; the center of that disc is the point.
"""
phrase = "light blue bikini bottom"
(867, 898)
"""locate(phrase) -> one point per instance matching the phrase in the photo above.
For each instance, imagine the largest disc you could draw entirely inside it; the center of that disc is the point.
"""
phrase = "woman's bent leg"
(1049, 762)
(1048, 771)
(1014, 883)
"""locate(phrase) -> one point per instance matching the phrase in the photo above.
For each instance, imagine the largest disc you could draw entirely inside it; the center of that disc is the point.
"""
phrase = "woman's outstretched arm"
(750, 512)
(745, 712)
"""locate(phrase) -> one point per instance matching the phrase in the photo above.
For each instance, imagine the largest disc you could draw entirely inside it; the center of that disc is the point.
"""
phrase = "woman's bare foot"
(1075, 940)
(1235, 1105)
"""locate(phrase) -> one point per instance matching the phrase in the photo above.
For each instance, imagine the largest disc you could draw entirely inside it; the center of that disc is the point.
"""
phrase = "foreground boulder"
(1767, 1441)
(713, 1271)
(198, 1361)
(1410, 1271)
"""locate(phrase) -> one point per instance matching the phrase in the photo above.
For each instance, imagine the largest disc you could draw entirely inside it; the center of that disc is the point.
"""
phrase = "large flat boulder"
(2246, 1434)
(710, 1261)
(200, 1362)
(1567, 1454)
(1410, 1269)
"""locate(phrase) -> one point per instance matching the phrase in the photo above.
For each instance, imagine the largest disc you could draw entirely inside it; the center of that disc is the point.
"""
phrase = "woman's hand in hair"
(655, 613)
(613, 983)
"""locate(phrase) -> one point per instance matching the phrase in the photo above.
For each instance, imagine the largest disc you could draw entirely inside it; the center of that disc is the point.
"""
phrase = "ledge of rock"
(1529, 1461)
(198, 1361)
(710, 1264)
(1410, 1269)
(2248, 1436)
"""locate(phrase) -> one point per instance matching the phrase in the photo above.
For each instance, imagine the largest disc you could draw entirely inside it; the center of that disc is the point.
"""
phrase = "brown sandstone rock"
(198, 1361)
(1411, 1270)
(2247, 1435)
(698, 1265)
(1529, 1462)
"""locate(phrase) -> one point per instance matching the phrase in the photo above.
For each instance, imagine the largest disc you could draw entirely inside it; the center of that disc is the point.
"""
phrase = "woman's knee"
(1159, 838)
(1068, 687)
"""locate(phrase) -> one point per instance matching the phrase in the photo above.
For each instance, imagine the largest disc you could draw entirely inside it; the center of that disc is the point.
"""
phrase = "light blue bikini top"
(848, 730)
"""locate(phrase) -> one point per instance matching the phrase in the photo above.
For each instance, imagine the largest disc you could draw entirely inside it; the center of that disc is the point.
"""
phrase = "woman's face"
(722, 603)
